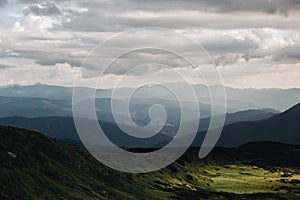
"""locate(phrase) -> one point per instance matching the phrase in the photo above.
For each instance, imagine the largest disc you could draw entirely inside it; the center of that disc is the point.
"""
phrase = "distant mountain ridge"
(240, 99)
(283, 127)
(33, 107)
(240, 116)
(64, 128)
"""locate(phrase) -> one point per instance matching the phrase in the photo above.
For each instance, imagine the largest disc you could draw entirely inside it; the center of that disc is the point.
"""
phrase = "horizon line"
(68, 86)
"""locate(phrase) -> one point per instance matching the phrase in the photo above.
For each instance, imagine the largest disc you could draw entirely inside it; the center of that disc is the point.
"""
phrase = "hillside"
(34, 166)
(240, 116)
(33, 107)
(63, 128)
(283, 127)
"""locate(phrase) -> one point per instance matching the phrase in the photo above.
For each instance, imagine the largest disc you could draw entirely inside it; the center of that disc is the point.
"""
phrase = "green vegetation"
(34, 166)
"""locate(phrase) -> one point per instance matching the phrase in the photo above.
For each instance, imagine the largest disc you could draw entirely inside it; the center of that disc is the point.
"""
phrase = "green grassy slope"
(34, 166)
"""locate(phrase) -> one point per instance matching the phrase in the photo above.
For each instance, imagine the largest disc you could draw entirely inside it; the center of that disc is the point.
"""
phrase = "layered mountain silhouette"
(63, 128)
(249, 162)
(237, 99)
(240, 116)
(283, 127)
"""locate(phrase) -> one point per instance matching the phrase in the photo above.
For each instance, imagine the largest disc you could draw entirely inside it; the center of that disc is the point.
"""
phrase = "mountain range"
(256, 157)
(240, 128)
(237, 99)
(282, 127)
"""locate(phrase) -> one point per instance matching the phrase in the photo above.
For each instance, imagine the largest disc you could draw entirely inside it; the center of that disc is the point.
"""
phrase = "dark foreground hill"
(283, 127)
(35, 166)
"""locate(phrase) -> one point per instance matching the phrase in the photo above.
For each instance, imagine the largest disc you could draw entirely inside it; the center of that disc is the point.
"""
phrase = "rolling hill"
(283, 127)
(240, 116)
(33, 107)
(34, 166)
(63, 128)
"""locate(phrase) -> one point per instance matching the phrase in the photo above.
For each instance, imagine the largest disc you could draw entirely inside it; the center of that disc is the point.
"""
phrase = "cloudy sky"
(253, 43)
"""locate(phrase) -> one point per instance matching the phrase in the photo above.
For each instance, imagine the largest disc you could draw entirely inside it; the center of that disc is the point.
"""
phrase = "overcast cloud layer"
(253, 43)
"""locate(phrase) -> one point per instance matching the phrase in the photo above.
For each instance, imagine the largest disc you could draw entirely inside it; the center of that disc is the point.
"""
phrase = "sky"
(253, 44)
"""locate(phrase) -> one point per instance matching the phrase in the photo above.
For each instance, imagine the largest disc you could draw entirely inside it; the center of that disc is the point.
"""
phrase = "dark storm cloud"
(225, 60)
(118, 15)
(4, 66)
(52, 58)
(3, 3)
(226, 44)
(288, 54)
(219, 14)
(44, 9)
(265, 6)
